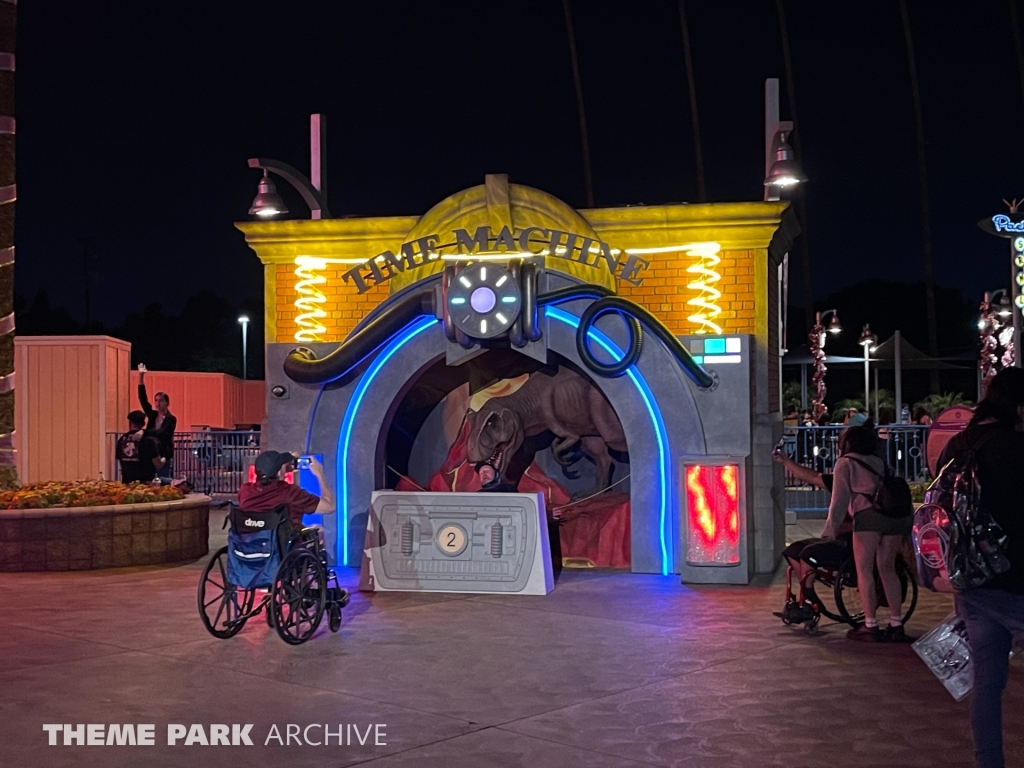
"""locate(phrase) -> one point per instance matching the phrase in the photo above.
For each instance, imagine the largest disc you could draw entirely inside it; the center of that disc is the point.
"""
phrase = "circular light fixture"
(834, 327)
(483, 300)
(267, 202)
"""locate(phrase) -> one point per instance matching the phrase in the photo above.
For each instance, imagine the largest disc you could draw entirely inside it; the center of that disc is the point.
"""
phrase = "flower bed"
(111, 525)
(85, 493)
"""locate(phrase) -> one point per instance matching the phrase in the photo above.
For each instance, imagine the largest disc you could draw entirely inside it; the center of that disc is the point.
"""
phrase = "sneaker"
(796, 614)
(865, 634)
(896, 635)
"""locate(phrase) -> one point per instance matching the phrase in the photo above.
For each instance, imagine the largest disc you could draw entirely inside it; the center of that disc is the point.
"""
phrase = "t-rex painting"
(566, 405)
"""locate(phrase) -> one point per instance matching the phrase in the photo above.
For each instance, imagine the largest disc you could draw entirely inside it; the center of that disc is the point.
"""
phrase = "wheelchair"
(264, 552)
(841, 602)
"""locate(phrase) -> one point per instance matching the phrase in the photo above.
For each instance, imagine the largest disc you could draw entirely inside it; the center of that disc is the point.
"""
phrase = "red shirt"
(253, 497)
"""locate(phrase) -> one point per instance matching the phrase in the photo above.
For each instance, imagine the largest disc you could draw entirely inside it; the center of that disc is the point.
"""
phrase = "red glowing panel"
(713, 515)
(289, 477)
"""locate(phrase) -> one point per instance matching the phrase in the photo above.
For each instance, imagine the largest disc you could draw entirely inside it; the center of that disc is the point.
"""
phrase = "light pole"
(268, 204)
(868, 341)
(817, 338)
(244, 320)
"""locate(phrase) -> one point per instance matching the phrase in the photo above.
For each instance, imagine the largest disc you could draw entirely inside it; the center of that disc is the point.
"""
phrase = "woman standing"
(876, 538)
(994, 613)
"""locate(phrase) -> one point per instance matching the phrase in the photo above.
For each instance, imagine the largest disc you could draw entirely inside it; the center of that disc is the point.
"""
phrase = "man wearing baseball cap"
(271, 489)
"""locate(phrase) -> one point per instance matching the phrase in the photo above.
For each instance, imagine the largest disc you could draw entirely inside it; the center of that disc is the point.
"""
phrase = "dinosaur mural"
(504, 432)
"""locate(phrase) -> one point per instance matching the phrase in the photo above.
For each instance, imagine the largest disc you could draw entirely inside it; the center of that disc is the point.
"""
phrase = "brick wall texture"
(663, 293)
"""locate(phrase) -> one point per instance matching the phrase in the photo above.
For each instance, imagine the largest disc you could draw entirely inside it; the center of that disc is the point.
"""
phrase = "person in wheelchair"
(271, 489)
(808, 555)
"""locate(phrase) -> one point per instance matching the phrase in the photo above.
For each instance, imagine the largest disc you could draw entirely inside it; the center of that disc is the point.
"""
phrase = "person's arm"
(800, 472)
(326, 504)
(147, 407)
(841, 496)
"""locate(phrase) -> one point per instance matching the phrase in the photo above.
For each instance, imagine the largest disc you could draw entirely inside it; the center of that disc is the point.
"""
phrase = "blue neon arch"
(417, 327)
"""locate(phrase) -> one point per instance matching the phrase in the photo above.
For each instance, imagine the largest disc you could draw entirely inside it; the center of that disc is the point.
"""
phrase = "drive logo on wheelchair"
(254, 523)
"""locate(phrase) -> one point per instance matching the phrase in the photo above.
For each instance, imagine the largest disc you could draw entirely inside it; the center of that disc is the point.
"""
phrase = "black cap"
(269, 463)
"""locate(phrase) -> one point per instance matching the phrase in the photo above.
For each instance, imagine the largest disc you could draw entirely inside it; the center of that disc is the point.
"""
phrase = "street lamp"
(244, 320)
(781, 169)
(817, 338)
(314, 191)
(868, 341)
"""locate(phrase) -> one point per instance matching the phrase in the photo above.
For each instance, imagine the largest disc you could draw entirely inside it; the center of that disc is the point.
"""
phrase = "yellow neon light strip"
(310, 297)
(706, 310)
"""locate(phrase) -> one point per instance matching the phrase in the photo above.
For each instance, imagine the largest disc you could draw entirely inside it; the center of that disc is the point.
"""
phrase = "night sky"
(135, 122)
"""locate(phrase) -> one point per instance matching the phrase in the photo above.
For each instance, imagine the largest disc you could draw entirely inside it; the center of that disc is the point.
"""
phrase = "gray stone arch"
(653, 463)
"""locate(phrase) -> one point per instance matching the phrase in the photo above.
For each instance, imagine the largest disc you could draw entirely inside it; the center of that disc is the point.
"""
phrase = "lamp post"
(244, 320)
(268, 204)
(817, 338)
(868, 341)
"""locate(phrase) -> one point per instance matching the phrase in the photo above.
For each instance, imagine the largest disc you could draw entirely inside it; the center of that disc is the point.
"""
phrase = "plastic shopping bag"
(948, 656)
(944, 649)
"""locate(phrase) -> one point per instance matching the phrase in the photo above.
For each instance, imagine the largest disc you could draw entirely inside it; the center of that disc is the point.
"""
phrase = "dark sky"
(135, 121)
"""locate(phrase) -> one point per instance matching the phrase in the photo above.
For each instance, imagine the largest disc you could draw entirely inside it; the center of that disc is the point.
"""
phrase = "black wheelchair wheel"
(220, 602)
(299, 596)
(847, 594)
(334, 618)
(824, 583)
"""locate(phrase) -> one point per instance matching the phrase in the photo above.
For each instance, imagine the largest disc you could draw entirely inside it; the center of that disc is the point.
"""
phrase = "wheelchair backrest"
(256, 543)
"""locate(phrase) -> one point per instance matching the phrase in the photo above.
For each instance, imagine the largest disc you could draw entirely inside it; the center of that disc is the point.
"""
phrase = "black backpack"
(893, 497)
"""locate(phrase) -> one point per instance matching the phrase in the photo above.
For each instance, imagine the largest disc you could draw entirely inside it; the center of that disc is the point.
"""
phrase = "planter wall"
(85, 538)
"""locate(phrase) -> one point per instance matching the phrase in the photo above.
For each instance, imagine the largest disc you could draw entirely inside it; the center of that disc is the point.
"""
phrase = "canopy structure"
(803, 356)
(910, 358)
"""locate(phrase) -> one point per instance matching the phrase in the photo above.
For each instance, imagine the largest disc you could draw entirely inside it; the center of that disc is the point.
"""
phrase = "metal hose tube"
(302, 366)
(607, 302)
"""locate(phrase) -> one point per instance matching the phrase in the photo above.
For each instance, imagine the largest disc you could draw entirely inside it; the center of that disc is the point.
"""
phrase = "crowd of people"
(993, 613)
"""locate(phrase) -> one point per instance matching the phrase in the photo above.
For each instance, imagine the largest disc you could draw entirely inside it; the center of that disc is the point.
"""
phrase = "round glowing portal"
(482, 300)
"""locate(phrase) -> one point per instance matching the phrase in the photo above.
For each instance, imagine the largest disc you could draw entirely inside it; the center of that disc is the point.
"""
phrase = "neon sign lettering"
(1004, 223)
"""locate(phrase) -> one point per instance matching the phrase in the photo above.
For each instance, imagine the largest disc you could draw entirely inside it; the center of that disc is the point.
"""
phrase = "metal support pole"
(877, 398)
(803, 386)
(898, 362)
(318, 156)
(867, 377)
(771, 121)
(1014, 310)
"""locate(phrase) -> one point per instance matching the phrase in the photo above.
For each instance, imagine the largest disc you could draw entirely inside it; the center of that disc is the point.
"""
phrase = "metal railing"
(900, 445)
(214, 461)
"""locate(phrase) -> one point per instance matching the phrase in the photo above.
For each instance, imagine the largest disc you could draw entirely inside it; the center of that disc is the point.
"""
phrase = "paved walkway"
(611, 670)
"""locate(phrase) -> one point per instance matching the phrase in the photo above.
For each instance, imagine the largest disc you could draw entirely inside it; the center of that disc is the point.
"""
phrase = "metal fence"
(214, 461)
(900, 445)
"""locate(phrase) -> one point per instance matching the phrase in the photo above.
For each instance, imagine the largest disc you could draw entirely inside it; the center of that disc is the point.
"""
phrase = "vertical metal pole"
(771, 121)
(898, 361)
(803, 386)
(318, 155)
(1014, 309)
(867, 378)
(877, 404)
(245, 356)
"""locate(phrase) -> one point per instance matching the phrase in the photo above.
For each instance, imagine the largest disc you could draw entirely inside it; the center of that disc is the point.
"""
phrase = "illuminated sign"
(712, 514)
(704, 279)
(506, 244)
(717, 351)
(1004, 223)
(1018, 263)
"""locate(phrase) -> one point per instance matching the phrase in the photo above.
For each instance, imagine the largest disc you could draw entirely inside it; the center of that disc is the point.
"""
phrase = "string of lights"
(706, 309)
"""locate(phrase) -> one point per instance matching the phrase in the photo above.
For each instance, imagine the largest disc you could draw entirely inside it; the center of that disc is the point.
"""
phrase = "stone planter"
(84, 538)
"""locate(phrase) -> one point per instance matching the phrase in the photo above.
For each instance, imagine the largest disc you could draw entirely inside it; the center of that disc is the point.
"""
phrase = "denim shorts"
(871, 519)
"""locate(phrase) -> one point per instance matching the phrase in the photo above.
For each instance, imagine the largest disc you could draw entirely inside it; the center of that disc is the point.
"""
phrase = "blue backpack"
(256, 543)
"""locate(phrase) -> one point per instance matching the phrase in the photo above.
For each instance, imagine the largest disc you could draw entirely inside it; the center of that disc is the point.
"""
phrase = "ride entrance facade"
(619, 365)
